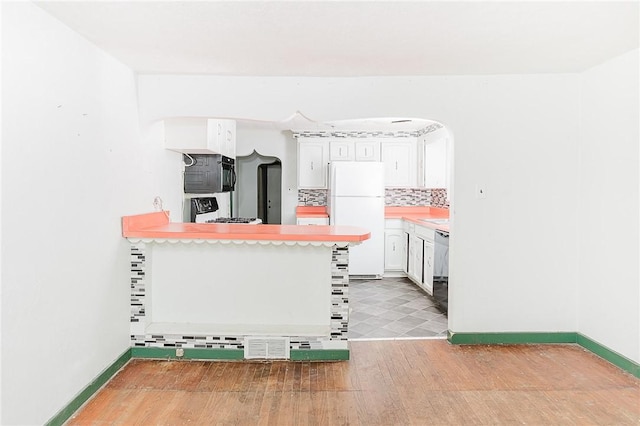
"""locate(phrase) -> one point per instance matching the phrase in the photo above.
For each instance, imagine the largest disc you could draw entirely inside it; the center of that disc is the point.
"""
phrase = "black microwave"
(208, 173)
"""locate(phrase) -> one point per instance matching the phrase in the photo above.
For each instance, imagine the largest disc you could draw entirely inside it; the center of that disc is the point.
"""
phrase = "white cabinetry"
(201, 136)
(395, 251)
(399, 163)
(342, 150)
(313, 158)
(354, 150)
(421, 256)
(312, 221)
(433, 163)
(367, 151)
(416, 247)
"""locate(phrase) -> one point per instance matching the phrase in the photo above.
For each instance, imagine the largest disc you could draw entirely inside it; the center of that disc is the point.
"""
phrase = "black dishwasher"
(441, 269)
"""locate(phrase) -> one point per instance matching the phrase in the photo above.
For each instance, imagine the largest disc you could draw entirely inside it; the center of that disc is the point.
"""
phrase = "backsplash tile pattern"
(439, 198)
(312, 197)
(434, 197)
(368, 134)
(339, 312)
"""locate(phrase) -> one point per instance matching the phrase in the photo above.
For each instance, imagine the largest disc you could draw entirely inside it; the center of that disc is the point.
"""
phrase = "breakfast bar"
(236, 291)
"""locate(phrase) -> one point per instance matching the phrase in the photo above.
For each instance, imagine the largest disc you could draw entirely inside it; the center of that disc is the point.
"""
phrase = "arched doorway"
(258, 187)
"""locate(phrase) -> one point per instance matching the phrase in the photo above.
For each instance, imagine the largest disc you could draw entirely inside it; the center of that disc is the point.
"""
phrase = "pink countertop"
(311, 211)
(410, 213)
(157, 225)
(416, 214)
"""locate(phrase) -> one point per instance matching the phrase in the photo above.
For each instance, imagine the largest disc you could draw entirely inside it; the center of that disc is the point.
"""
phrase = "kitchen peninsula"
(233, 291)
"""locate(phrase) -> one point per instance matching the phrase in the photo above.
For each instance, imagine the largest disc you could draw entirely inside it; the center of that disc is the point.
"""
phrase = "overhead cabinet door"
(399, 163)
(312, 164)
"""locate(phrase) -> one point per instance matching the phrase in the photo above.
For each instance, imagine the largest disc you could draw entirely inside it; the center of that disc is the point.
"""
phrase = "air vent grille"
(266, 348)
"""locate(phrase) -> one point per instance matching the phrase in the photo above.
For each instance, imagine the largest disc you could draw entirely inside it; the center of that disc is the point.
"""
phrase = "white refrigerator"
(356, 198)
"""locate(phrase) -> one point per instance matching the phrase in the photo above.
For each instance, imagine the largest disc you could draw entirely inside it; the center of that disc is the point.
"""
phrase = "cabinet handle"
(365, 151)
(312, 165)
(340, 152)
(394, 246)
(396, 165)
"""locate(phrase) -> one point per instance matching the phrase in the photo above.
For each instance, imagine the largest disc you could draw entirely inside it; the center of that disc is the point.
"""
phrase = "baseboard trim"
(319, 354)
(612, 356)
(189, 353)
(589, 344)
(67, 411)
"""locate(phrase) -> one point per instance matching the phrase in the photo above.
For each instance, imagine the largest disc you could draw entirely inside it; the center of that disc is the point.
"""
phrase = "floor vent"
(266, 348)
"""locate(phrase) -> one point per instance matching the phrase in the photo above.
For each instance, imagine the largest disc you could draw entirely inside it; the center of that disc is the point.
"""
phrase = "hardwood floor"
(402, 382)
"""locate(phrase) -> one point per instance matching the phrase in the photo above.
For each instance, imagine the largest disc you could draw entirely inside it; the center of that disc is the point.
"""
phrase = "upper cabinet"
(342, 150)
(367, 150)
(399, 163)
(433, 163)
(354, 150)
(201, 136)
(313, 158)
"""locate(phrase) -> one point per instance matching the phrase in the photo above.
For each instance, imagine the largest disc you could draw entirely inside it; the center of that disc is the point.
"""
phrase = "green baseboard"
(319, 354)
(189, 353)
(612, 356)
(66, 412)
(509, 338)
(531, 338)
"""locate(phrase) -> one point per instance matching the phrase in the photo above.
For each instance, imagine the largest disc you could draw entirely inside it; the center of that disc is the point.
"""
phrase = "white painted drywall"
(513, 256)
(74, 161)
(608, 282)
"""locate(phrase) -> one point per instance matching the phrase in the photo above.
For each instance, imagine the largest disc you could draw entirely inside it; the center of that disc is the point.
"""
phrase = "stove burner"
(233, 220)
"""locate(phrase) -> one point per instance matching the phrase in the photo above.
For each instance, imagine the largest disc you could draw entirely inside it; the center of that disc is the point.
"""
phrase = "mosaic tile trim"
(434, 197)
(339, 312)
(137, 283)
(312, 197)
(367, 134)
(439, 198)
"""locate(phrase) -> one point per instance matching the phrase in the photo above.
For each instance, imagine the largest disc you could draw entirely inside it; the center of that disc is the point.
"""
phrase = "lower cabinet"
(427, 266)
(420, 256)
(395, 246)
(416, 251)
(394, 252)
(312, 221)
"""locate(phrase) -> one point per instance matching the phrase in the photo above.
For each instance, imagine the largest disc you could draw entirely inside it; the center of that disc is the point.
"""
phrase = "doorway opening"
(259, 187)
(269, 188)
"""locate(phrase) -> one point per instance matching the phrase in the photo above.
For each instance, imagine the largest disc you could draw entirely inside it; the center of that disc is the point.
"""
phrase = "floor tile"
(393, 308)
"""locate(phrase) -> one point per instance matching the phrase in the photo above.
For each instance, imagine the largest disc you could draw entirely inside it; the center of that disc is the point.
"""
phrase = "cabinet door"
(367, 151)
(229, 138)
(393, 251)
(399, 163)
(312, 164)
(341, 150)
(428, 260)
(435, 164)
(415, 259)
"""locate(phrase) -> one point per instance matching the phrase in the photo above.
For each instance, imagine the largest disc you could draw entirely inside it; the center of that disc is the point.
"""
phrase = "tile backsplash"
(434, 197)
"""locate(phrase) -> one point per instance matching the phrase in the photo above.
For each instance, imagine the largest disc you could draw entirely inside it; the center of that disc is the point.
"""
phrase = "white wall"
(514, 254)
(74, 161)
(609, 290)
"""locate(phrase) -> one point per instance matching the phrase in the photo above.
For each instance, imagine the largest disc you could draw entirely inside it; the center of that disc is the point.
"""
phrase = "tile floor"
(393, 308)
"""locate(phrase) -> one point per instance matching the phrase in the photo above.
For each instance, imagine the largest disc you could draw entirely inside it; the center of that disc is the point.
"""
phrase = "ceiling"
(354, 38)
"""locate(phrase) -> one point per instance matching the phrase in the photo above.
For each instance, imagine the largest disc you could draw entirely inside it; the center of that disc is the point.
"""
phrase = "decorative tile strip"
(359, 134)
(137, 283)
(312, 197)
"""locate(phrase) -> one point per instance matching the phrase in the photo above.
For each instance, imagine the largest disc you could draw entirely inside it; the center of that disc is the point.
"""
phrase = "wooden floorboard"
(403, 382)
